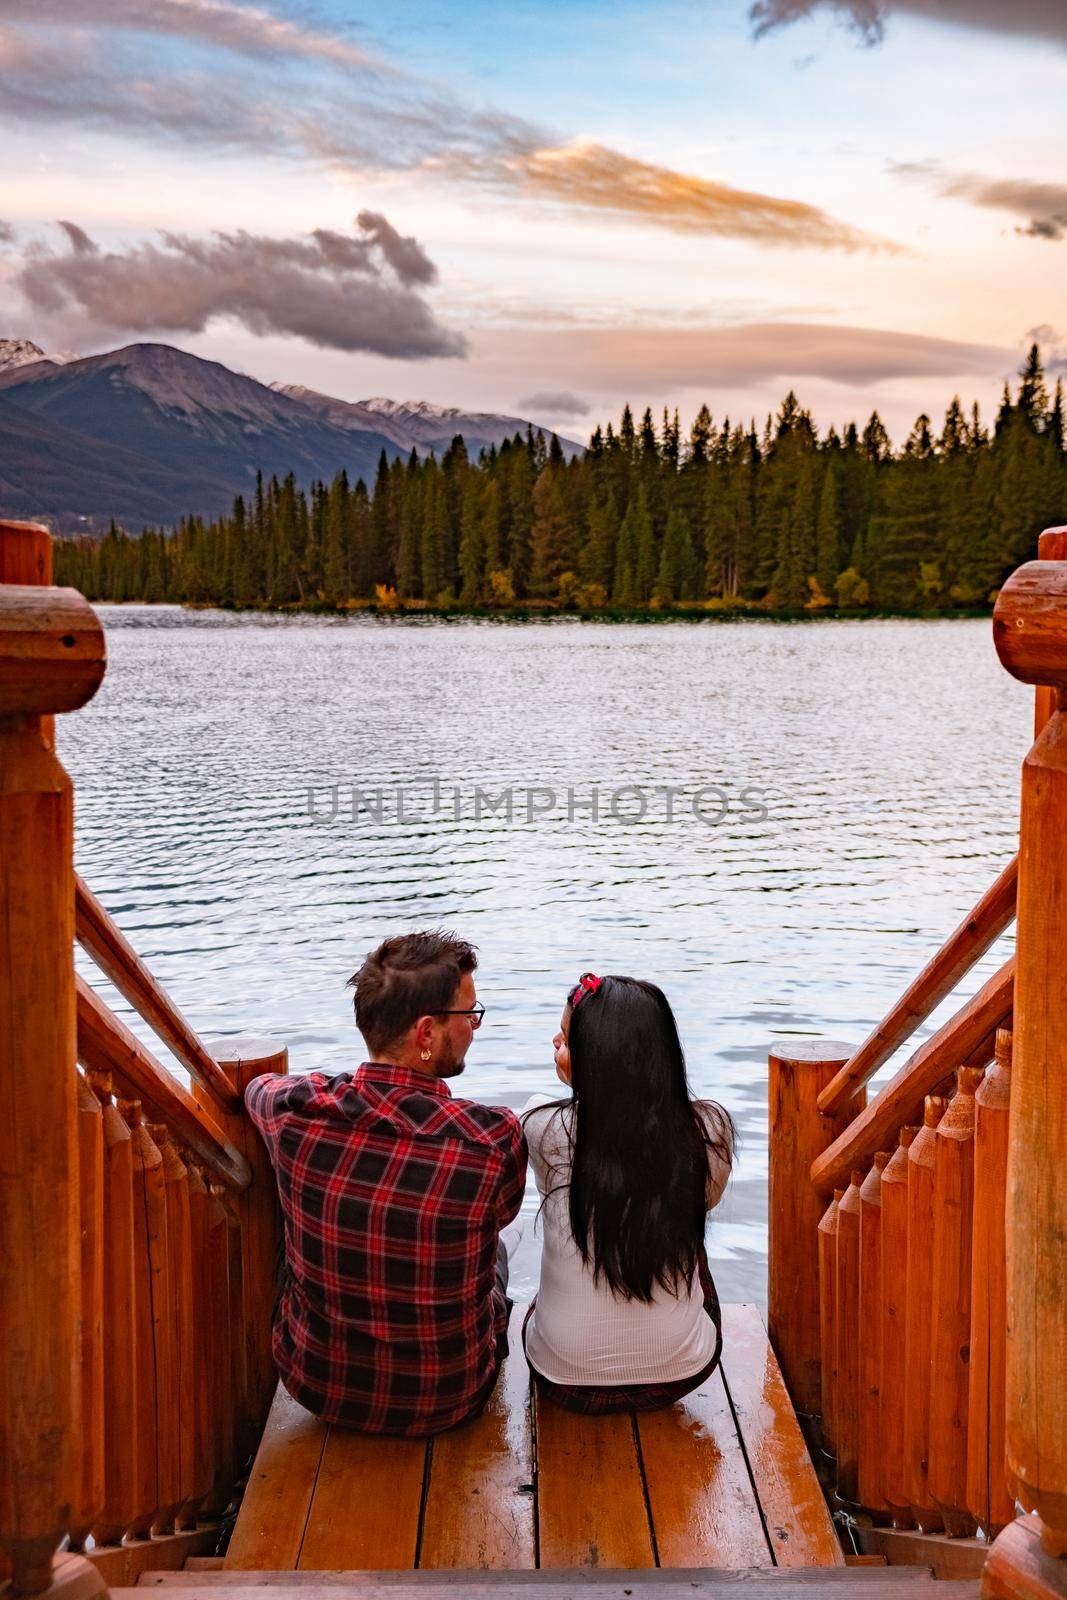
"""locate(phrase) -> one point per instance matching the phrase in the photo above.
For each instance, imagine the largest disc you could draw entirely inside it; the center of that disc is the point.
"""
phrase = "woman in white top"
(628, 1165)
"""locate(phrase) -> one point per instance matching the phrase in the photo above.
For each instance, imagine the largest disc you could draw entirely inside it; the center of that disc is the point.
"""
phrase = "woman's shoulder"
(544, 1120)
(719, 1136)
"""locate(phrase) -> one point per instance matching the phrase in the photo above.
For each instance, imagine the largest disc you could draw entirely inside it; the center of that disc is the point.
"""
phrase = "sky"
(547, 209)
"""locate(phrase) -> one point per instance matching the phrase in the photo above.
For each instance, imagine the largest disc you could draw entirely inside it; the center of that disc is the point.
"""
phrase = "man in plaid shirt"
(393, 1317)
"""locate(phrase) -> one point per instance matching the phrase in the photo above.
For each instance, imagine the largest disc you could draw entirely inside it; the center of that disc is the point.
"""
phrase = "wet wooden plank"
(703, 1504)
(274, 1511)
(798, 1522)
(366, 1505)
(590, 1494)
(479, 1509)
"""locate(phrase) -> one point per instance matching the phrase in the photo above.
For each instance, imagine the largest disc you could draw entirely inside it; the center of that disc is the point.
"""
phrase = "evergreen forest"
(728, 518)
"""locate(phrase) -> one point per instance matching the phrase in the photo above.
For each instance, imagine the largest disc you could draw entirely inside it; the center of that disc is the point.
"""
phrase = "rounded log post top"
(247, 1050)
(1030, 624)
(52, 654)
(801, 1052)
(25, 553)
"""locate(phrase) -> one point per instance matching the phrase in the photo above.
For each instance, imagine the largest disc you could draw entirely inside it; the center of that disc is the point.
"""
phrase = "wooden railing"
(138, 1218)
(923, 1320)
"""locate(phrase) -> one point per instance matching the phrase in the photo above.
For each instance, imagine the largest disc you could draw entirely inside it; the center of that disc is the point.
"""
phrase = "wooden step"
(899, 1580)
(682, 1584)
(722, 1479)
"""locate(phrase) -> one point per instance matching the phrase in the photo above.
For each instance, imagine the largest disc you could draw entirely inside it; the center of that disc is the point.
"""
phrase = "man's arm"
(265, 1101)
(513, 1178)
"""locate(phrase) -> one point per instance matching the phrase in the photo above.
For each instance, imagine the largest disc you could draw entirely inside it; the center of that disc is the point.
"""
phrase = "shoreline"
(548, 613)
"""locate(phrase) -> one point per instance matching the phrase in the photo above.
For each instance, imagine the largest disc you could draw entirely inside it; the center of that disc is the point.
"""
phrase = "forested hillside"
(778, 518)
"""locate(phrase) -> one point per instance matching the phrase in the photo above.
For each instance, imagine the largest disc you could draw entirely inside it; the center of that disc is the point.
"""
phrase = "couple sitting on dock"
(397, 1198)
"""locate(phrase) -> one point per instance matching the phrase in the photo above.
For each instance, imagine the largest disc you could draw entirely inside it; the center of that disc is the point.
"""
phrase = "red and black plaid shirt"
(393, 1195)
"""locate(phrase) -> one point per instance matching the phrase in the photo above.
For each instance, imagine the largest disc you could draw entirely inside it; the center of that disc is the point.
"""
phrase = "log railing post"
(798, 1134)
(51, 659)
(1030, 633)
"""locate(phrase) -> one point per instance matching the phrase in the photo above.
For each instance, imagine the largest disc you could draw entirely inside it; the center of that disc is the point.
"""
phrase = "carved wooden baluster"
(90, 1496)
(827, 1346)
(870, 1325)
(221, 1335)
(847, 1325)
(894, 1329)
(176, 1422)
(917, 1347)
(989, 1499)
(149, 1207)
(950, 1335)
(121, 1503)
(197, 1387)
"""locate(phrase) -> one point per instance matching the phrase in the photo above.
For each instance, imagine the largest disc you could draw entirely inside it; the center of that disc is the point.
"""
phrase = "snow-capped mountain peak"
(24, 353)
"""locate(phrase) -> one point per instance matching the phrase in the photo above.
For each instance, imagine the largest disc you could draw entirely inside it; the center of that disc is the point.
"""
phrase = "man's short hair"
(410, 976)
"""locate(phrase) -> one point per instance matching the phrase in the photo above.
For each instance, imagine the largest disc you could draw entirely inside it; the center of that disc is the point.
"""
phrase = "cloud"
(367, 118)
(80, 242)
(593, 177)
(405, 255)
(1044, 205)
(250, 30)
(337, 291)
(1035, 19)
(556, 403)
(7, 233)
(639, 361)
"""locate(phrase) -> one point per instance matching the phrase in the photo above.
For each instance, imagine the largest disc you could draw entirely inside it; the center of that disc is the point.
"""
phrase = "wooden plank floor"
(719, 1480)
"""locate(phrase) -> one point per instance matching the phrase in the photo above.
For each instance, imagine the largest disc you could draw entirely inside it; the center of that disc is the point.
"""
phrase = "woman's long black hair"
(639, 1148)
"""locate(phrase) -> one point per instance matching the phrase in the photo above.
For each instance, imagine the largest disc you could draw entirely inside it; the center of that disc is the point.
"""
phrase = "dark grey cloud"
(404, 254)
(1043, 206)
(337, 291)
(556, 403)
(80, 242)
(1036, 19)
(7, 233)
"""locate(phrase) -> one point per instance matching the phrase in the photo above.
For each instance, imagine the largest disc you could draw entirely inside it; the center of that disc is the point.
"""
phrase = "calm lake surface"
(256, 806)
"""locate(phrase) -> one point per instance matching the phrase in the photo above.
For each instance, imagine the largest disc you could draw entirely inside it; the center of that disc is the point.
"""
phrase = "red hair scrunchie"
(588, 983)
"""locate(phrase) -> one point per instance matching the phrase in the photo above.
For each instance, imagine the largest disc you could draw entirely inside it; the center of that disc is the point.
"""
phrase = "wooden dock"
(721, 1479)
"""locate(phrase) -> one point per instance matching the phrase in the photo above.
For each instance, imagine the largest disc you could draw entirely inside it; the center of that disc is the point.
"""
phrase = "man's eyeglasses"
(476, 1013)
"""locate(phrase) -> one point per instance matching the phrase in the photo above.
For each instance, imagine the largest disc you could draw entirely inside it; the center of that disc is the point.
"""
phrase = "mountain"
(149, 433)
(419, 425)
(185, 435)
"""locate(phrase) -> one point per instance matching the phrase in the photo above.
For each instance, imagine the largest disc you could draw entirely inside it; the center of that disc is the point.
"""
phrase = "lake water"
(790, 819)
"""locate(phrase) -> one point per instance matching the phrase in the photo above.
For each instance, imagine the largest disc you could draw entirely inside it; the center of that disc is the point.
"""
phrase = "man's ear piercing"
(425, 1054)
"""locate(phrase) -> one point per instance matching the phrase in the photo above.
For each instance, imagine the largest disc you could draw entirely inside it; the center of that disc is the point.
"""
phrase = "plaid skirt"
(596, 1400)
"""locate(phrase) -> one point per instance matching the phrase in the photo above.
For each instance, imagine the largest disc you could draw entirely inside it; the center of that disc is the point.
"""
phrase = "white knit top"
(579, 1332)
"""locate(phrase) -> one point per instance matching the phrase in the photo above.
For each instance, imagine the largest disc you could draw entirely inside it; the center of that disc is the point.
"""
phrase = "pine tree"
(674, 581)
(828, 535)
(624, 579)
(550, 535)
(647, 564)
